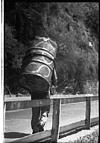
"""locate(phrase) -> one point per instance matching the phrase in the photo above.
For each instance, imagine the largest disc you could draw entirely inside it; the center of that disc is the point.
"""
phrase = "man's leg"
(44, 115)
(35, 119)
(44, 111)
(39, 114)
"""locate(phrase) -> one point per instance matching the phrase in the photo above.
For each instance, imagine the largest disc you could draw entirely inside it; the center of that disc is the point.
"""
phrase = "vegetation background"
(75, 28)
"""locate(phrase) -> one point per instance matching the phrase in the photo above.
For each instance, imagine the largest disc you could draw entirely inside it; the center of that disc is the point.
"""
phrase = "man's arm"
(53, 82)
(54, 78)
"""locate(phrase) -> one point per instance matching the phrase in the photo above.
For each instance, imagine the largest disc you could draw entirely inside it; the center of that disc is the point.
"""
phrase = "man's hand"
(53, 90)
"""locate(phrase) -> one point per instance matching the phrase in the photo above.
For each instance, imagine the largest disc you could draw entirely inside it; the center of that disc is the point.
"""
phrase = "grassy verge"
(91, 138)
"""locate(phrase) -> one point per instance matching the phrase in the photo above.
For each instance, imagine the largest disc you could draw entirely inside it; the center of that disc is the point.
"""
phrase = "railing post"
(4, 110)
(88, 112)
(56, 119)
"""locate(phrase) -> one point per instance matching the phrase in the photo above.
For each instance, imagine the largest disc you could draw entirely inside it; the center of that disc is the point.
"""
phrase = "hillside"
(73, 25)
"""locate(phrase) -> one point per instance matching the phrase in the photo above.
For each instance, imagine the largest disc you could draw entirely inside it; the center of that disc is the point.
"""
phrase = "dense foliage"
(75, 28)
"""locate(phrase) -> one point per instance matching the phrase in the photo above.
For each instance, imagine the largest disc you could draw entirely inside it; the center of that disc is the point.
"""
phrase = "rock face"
(38, 64)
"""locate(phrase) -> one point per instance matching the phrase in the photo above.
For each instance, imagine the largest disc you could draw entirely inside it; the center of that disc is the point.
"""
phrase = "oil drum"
(38, 65)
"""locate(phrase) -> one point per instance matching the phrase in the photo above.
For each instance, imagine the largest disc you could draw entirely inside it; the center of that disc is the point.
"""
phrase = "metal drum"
(38, 64)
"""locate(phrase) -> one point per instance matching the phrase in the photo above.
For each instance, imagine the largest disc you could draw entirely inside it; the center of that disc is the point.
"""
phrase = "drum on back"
(38, 64)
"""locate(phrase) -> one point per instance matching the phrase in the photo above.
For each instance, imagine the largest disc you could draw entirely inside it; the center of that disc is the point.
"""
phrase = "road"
(18, 123)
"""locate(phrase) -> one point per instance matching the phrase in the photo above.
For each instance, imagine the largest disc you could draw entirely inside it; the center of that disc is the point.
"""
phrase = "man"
(39, 76)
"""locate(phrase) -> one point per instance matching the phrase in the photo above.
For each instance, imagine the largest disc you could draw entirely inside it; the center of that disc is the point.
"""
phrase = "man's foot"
(35, 130)
(39, 128)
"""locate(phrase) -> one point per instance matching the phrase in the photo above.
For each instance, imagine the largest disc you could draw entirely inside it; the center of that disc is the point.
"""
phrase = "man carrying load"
(38, 76)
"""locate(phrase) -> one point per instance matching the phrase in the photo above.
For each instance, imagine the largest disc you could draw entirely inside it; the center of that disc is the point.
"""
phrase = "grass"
(91, 138)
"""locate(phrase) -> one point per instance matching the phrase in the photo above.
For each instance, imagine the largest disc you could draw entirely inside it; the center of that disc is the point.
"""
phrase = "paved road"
(18, 123)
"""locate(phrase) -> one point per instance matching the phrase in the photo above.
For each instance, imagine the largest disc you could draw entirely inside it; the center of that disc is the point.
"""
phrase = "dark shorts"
(34, 84)
(40, 95)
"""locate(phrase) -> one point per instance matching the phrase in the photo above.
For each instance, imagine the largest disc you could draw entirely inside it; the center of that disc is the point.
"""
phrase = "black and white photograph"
(49, 71)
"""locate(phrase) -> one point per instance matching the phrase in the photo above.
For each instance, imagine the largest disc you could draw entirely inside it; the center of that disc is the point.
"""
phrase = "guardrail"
(56, 100)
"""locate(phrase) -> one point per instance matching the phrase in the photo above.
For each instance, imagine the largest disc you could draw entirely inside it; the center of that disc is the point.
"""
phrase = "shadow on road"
(14, 135)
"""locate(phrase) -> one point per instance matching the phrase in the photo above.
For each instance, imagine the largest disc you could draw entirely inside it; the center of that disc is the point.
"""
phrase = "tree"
(69, 24)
